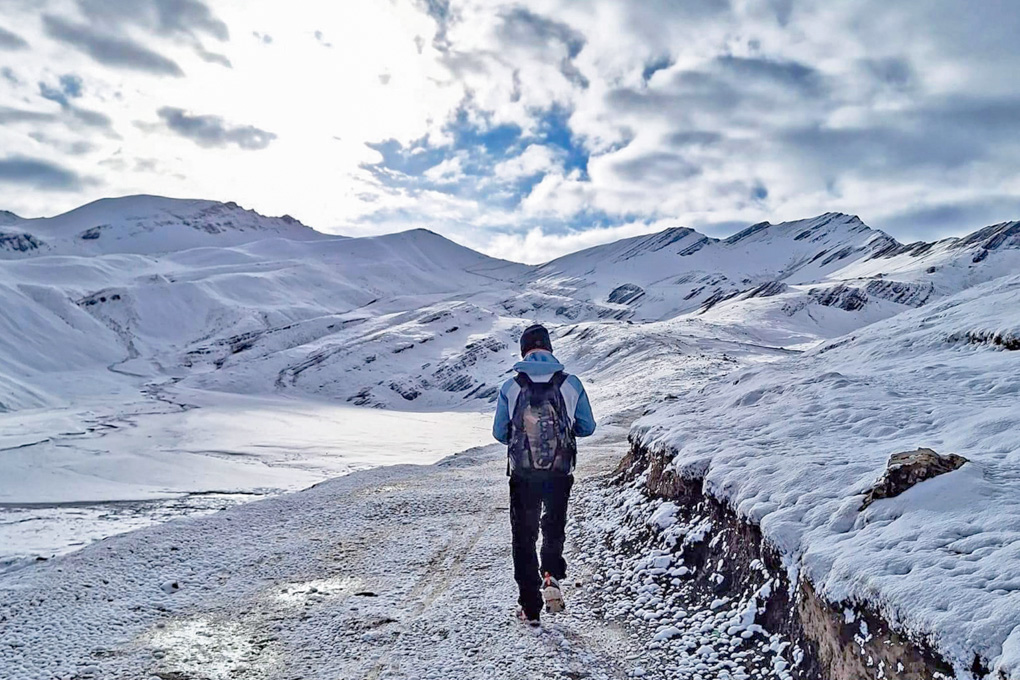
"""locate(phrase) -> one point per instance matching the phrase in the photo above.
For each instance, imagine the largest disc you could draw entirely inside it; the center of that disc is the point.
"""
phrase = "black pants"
(538, 502)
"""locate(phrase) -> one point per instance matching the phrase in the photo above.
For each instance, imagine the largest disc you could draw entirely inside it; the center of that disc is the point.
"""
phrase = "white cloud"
(448, 170)
(536, 246)
(559, 196)
(534, 160)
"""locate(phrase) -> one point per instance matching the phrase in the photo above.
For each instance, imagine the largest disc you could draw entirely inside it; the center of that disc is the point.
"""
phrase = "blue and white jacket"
(540, 367)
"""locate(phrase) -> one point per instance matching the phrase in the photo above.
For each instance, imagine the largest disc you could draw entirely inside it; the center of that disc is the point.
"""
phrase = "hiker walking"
(539, 413)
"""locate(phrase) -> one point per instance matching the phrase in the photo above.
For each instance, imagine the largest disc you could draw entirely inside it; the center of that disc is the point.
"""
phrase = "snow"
(665, 516)
(794, 445)
(111, 347)
(164, 358)
(145, 464)
(679, 638)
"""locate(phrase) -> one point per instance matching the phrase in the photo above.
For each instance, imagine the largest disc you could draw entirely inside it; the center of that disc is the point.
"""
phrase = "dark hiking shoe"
(523, 617)
(552, 594)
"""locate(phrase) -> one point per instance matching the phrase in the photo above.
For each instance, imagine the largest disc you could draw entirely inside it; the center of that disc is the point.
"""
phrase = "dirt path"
(397, 572)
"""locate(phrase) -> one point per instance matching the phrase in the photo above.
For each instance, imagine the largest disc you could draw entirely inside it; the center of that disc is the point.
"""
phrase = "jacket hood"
(538, 363)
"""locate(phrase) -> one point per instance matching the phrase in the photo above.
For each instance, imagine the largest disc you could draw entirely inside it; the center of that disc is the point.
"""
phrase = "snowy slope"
(792, 446)
(414, 321)
(73, 313)
(97, 351)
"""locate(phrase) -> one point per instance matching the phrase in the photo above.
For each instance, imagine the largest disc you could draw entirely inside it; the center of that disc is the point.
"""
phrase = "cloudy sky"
(526, 129)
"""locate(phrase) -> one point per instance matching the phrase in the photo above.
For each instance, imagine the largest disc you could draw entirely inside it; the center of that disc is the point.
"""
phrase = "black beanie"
(535, 337)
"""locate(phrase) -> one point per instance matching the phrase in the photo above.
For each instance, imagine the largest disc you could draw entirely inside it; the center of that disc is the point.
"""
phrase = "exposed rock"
(1009, 340)
(750, 231)
(362, 398)
(840, 254)
(656, 242)
(767, 289)
(98, 298)
(912, 294)
(21, 243)
(891, 248)
(1004, 234)
(695, 247)
(625, 294)
(908, 468)
(859, 644)
(716, 298)
(433, 317)
(842, 296)
(408, 392)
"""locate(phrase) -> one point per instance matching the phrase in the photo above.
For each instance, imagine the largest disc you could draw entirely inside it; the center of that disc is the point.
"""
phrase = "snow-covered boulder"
(909, 468)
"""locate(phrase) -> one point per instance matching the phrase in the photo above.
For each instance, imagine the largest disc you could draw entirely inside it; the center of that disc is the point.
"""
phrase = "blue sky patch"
(478, 149)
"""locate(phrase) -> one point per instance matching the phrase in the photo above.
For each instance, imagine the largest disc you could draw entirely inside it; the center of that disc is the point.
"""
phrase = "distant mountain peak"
(1003, 234)
(8, 218)
(421, 231)
(144, 206)
(756, 228)
(801, 229)
(146, 224)
(659, 241)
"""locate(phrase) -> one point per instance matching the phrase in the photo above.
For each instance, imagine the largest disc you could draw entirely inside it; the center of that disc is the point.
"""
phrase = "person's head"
(533, 338)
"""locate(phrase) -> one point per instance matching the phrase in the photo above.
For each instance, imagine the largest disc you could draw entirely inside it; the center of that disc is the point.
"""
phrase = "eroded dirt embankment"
(842, 641)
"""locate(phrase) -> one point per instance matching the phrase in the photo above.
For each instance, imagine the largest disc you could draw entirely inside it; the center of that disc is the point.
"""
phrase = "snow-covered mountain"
(410, 321)
(174, 310)
(143, 225)
(223, 298)
(787, 276)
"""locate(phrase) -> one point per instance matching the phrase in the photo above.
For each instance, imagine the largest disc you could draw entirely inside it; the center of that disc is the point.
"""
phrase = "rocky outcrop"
(842, 296)
(855, 643)
(626, 293)
(908, 469)
(767, 289)
(911, 294)
(830, 641)
(1002, 235)
(656, 242)
(1008, 340)
(16, 242)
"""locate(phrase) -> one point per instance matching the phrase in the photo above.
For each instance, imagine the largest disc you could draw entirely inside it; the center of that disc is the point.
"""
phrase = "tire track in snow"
(436, 579)
(459, 557)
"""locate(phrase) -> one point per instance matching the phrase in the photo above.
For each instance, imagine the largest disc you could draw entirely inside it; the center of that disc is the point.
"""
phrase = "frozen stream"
(72, 476)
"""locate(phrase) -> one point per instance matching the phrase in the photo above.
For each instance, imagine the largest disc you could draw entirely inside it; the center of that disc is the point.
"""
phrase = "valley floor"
(394, 572)
(72, 475)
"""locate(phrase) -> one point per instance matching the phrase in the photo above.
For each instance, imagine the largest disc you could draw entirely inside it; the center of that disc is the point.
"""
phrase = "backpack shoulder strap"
(559, 377)
(523, 380)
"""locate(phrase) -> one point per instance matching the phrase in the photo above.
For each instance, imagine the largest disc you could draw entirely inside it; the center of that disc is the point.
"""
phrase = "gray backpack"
(541, 437)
